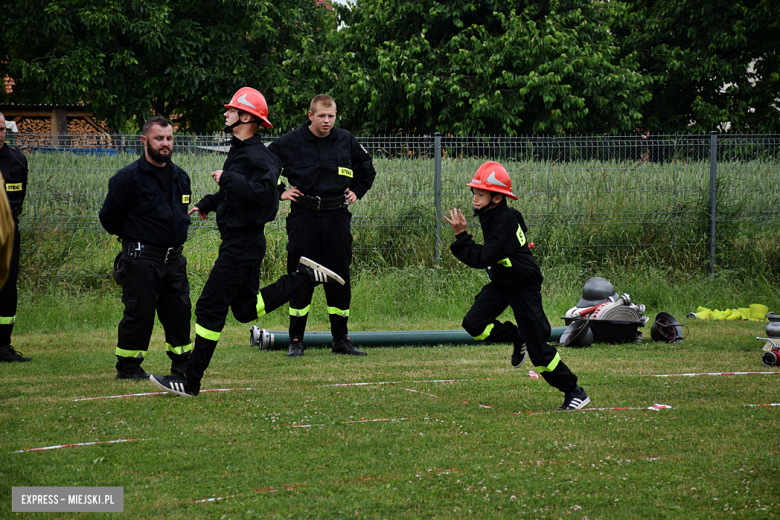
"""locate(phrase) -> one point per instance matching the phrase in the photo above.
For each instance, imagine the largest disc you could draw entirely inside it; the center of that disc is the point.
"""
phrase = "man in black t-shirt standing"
(147, 208)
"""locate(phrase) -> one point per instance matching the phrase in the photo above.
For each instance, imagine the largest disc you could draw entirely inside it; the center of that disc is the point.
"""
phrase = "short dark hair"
(324, 100)
(156, 120)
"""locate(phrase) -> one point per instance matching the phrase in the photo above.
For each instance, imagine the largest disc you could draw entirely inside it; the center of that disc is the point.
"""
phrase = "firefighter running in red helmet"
(247, 199)
(515, 281)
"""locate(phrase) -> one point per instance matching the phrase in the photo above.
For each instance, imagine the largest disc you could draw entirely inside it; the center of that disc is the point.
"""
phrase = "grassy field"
(440, 432)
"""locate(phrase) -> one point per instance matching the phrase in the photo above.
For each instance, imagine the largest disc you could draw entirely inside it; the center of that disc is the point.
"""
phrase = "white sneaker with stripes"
(173, 385)
(317, 272)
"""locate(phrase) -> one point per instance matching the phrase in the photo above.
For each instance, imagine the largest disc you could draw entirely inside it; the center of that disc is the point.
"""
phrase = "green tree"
(476, 67)
(130, 59)
(714, 61)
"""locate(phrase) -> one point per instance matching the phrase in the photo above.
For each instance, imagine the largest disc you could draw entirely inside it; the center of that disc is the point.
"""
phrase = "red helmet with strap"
(491, 176)
(251, 101)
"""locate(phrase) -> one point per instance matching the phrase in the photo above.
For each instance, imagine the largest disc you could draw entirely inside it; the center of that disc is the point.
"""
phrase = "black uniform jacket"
(135, 208)
(247, 196)
(13, 165)
(505, 251)
(323, 166)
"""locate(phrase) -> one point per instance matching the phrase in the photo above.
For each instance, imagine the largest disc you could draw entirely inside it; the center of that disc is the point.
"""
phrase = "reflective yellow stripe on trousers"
(339, 312)
(552, 365)
(178, 350)
(485, 334)
(206, 333)
(130, 353)
(300, 312)
(260, 306)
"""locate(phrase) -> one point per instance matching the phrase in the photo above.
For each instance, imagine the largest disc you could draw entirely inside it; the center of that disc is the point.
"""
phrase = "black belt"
(322, 204)
(161, 254)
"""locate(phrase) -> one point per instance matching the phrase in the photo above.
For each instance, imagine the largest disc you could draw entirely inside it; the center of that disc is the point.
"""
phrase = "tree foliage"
(481, 66)
(130, 59)
(471, 67)
(714, 61)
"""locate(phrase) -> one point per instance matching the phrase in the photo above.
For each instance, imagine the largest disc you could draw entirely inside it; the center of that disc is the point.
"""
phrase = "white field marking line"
(116, 396)
(583, 410)
(465, 402)
(715, 374)
(265, 490)
(214, 499)
(359, 421)
(768, 404)
(58, 446)
(423, 393)
(404, 381)
(156, 393)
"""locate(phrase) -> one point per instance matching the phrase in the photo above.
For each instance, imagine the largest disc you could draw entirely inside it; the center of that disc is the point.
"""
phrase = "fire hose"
(280, 340)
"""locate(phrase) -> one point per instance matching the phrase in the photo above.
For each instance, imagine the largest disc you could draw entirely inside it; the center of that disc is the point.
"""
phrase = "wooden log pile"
(36, 132)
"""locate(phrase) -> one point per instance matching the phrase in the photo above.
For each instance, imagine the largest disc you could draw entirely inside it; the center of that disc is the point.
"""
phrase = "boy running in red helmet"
(516, 281)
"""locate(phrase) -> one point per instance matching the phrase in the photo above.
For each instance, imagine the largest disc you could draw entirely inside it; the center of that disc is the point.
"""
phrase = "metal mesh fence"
(691, 202)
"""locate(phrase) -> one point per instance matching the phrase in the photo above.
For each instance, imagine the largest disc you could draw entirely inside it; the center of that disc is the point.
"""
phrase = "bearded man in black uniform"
(327, 170)
(146, 207)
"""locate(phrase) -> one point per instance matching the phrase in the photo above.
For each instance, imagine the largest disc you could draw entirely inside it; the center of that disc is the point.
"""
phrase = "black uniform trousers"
(9, 294)
(151, 286)
(326, 239)
(234, 283)
(534, 329)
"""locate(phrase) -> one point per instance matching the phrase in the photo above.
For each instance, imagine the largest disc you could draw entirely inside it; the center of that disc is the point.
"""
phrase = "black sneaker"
(132, 373)
(519, 355)
(345, 346)
(577, 399)
(173, 385)
(9, 355)
(317, 272)
(295, 349)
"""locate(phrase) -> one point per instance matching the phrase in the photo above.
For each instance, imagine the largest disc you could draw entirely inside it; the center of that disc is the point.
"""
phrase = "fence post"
(437, 195)
(713, 194)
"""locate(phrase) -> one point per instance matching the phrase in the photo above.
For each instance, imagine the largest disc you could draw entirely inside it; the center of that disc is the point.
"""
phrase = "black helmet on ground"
(596, 290)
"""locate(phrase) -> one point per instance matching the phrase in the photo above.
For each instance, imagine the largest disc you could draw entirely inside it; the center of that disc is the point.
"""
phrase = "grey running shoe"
(173, 385)
(317, 272)
(577, 399)
(519, 355)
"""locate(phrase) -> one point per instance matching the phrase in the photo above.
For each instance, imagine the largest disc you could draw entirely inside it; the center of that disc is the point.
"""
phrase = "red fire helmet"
(491, 176)
(251, 101)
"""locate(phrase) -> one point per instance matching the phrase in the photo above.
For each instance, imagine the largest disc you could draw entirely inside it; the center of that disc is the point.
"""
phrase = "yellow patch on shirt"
(185, 199)
(18, 186)
(346, 172)
(520, 235)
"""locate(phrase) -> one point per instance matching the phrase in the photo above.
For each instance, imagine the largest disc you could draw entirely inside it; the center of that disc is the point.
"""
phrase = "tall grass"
(586, 212)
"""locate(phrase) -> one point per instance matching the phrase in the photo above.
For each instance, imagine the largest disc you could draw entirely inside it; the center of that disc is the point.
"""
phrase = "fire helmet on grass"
(596, 291)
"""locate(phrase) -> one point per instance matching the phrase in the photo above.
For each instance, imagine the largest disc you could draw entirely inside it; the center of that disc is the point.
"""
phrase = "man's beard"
(157, 156)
